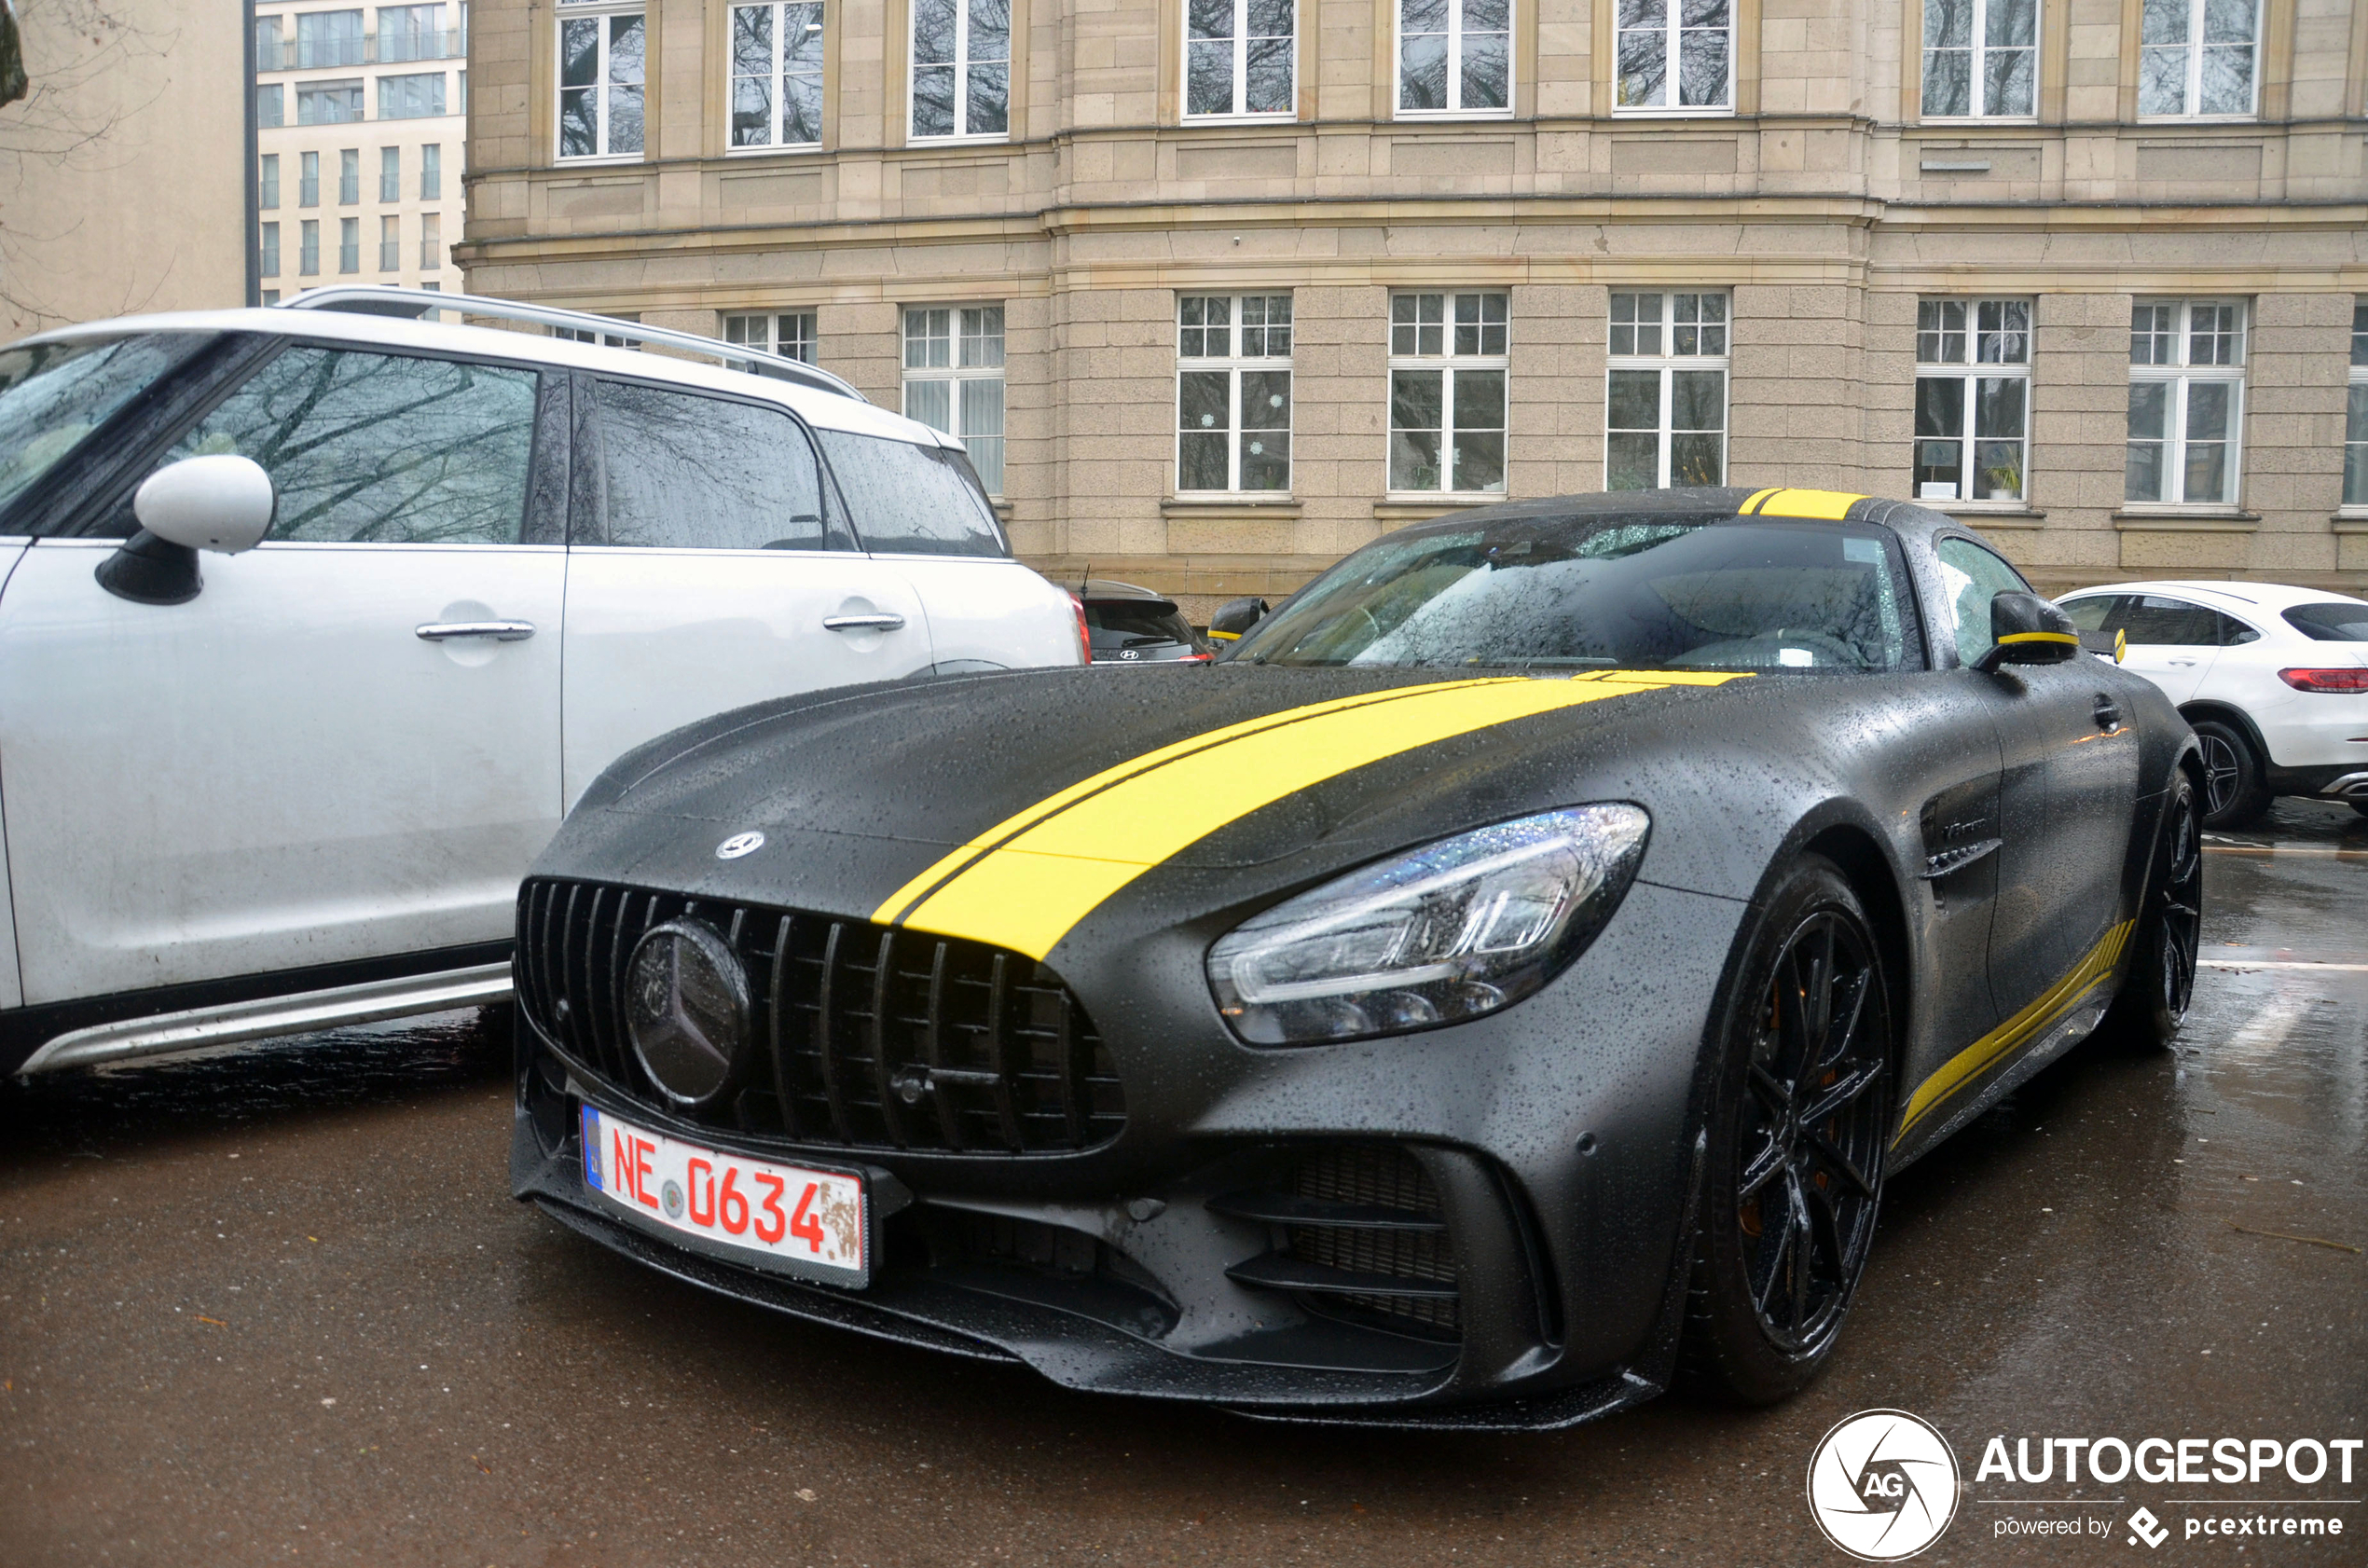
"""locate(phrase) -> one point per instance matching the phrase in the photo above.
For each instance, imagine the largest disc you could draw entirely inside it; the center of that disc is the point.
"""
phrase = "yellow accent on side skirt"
(1025, 882)
(2019, 1030)
(1833, 505)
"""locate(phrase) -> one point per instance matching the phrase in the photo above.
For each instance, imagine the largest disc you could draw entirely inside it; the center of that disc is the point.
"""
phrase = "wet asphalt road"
(279, 1307)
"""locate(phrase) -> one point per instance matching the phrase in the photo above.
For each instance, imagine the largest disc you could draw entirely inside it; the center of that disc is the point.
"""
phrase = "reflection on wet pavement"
(277, 1306)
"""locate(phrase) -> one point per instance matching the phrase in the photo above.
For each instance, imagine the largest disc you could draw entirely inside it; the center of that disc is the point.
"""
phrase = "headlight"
(1446, 932)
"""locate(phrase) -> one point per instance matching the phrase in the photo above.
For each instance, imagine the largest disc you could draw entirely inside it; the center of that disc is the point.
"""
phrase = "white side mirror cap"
(220, 502)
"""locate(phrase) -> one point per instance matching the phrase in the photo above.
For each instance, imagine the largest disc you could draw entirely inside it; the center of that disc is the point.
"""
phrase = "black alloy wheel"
(1799, 1129)
(2233, 792)
(2161, 981)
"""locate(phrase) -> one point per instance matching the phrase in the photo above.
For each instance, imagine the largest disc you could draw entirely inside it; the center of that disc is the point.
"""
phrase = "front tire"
(2161, 981)
(1800, 1113)
(2234, 793)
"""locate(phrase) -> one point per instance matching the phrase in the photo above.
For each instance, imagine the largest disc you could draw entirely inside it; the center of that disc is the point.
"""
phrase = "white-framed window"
(307, 179)
(419, 95)
(432, 172)
(1454, 57)
(349, 176)
(2356, 412)
(432, 241)
(790, 334)
(1241, 57)
(390, 174)
(961, 68)
(1675, 56)
(2187, 401)
(1447, 370)
(309, 248)
(1665, 407)
(389, 243)
(270, 263)
(601, 73)
(268, 184)
(2197, 58)
(776, 75)
(1234, 392)
(954, 380)
(1972, 399)
(348, 244)
(1982, 59)
(270, 106)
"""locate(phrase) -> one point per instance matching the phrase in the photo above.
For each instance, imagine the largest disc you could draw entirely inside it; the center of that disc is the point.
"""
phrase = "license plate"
(801, 1221)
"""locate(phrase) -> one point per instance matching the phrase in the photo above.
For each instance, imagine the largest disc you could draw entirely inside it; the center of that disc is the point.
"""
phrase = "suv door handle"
(2108, 713)
(501, 631)
(882, 621)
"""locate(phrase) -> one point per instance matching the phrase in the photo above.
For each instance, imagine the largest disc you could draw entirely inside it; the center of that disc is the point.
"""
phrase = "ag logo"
(1883, 1485)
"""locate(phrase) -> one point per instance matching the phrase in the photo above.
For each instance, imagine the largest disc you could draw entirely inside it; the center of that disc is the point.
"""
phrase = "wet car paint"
(2070, 1264)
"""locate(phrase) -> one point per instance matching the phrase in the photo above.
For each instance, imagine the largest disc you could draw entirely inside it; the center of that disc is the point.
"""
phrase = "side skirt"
(143, 1026)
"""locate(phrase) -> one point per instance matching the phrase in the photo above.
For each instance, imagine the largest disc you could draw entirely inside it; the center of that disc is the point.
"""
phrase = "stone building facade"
(2088, 272)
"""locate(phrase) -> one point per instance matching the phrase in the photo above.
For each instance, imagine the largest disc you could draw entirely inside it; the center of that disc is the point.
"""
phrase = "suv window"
(378, 448)
(2168, 623)
(2089, 614)
(921, 501)
(687, 472)
(2332, 622)
(54, 394)
(1974, 574)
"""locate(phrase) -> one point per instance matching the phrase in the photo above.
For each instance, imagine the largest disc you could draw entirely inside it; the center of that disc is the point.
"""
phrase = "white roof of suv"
(360, 315)
(2267, 597)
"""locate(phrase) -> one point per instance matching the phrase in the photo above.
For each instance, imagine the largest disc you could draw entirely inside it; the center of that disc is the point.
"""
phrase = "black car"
(1129, 625)
(1505, 981)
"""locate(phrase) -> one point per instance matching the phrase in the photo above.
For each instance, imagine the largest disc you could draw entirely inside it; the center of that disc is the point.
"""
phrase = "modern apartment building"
(1219, 289)
(362, 115)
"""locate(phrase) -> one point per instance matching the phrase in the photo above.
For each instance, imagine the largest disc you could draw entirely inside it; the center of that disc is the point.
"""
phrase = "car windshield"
(2335, 621)
(54, 394)
(1134, 623)
(1631, 592)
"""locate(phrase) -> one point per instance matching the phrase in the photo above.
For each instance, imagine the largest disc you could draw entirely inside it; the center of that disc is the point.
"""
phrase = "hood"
(1007, 807)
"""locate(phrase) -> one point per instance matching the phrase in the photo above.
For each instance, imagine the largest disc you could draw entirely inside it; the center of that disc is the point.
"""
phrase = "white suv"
(460, 569)
(2275, 680)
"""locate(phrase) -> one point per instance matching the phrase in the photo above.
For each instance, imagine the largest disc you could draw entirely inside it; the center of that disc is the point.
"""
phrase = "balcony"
(401, 49)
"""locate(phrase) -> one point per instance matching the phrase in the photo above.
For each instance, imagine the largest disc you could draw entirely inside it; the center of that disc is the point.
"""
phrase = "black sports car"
(1502, 984)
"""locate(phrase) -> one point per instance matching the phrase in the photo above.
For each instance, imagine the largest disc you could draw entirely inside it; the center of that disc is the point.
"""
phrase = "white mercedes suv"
(2274, 679)
(314, 621)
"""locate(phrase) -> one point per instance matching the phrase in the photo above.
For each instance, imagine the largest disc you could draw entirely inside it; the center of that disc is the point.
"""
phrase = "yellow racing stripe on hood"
(1025, 883)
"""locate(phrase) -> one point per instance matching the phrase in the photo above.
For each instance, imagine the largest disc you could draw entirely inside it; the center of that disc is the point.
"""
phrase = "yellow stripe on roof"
(1831, 505)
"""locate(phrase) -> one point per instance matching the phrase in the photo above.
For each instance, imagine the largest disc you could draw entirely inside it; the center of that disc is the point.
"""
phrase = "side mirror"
(2026, 630)
(222, 503)
(1234, 618)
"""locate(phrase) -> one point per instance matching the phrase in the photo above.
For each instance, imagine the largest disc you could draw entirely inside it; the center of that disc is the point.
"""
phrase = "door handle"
(2183, 664)
(2108, 713)
(501, 631)
(882, 621)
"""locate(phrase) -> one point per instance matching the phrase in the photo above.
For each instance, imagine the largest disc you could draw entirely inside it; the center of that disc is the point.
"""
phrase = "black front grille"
(867, 1036)
(1359, 1233)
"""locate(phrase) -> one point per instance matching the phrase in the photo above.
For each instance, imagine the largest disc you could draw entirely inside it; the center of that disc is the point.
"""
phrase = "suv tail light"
(2344, 681)
(1084, 632)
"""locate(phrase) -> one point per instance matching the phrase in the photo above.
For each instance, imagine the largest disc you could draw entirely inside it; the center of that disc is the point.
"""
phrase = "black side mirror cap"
(1234, 618)
(2026, 630)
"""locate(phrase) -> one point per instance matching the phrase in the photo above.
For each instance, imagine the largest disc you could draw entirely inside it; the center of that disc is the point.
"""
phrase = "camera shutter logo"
(1883, 1485)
